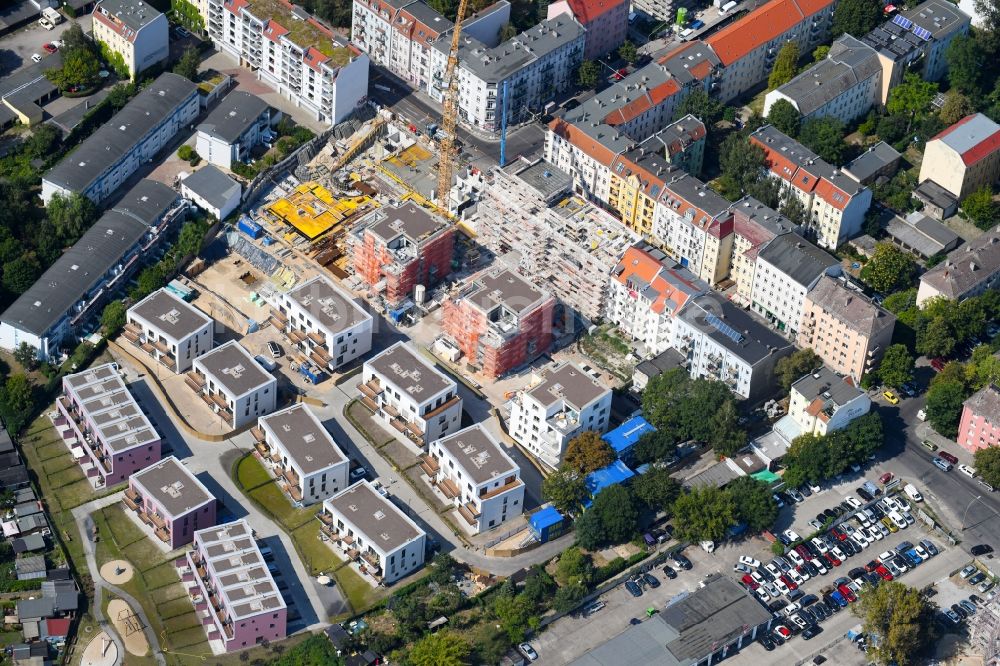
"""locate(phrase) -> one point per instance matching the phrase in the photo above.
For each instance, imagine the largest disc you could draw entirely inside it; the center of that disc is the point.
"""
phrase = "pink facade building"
(171, 501)
(104, 427)
(980, 425)
(606, 22)
(232, 588)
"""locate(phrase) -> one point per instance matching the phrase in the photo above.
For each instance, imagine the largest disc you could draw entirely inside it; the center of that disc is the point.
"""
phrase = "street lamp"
(969, 506)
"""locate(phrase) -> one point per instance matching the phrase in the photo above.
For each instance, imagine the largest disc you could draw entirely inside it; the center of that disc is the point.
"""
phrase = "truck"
(50, 18)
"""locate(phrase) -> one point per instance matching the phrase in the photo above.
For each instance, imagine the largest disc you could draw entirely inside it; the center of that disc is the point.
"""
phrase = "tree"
(862, 437)
(855, 17)
(956, 106)
(26, 356)
(704, 514)
(565, 489)
(190, 238)
(628, 52)
(944, 407)
(987, 463)
(654, 447)
(18, 395)
(754, 503)
(981, 208)
(657, 489)
(574, 566)
(901, 619)
(444, 648)
(896, 367)
(20, 274)
(820, 53)
(936, 338)
(508, 31)
(188, 64)
(825, 137)
(74, 39)
(71, 216)
(966, 61)
(113, 318)
(791, 368)
(785, 65)
(618, 512)
(741, 164)
(115, 60)
(807, 459)
(43, 142)
(785, 117)
(515, 615)
(912, 97)
(588, 452)
(727, 435)
(890, 268)
(588, 74)
(983, 368)
(568, 597)
(796, 211)
(701, 105)
(80, 69)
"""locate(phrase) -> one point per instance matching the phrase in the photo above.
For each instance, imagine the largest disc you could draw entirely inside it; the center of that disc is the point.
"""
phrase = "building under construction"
(312, 210)
(499, 321)
(396, 249)
(530, 218)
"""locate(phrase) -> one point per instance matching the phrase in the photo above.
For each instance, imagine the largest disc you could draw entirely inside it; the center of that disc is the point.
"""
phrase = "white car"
(853, 501)
(757, 578)
(886, 556)
(820, 545)
(921, 552)
(861, 537)
(862, 519)
(795, 558)
(820, 567)
(528, 651)
(796, 577)
(797, 619)
(897, 519)
(875, 534)
(791, 608)
(762, 594)
(36, 58)
(838, 553)
(791, 535)
(773, 570)
(749, 561)
(780, 584)
(815, 489)
(965, 469)
(895, 503)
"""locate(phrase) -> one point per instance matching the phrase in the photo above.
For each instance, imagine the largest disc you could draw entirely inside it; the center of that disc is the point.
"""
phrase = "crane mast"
(446, 154)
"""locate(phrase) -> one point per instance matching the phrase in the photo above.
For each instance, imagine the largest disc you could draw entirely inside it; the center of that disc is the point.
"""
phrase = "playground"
(101, 651)
(129, 627)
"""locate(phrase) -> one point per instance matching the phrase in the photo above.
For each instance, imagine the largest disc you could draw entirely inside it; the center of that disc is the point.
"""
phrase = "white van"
(912, 492)
(687, 32)
(728, 6)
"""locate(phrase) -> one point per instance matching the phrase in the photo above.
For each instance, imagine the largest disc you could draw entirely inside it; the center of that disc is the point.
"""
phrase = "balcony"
(168, 363)
(319, 359)
(258, 434)
(448, 488)
(398, 424)
(296, 336)
(369, 404)
(429, 465)
(278, 320)
(443, 408)
(163, 534)
(219, 400)
(469, 512)
(509, 485)
(294, 491)
(372, 559)
(317, 337)
(195, 381)
(325, 518)
(157, 520)
(131, 500)
(162, 347)
(290, 475)
(132, 332)
(323, 354)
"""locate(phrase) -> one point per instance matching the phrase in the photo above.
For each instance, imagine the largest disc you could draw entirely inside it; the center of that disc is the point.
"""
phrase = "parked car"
(633, 588)
(49, 48)
(885, 478)
(749, 561)
(942, 464)
(528, 651)
(949, 457)
(981, 549)
(681, 561)
(35, 57)
(968, 471)
(890, 397)
(669, 572)
(651, 580)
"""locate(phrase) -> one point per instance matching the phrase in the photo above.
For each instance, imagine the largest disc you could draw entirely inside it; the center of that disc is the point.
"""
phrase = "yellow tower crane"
(449, 118)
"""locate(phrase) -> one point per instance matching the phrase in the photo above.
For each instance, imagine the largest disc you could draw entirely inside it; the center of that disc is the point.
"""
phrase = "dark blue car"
(839, 598)
(633, 588)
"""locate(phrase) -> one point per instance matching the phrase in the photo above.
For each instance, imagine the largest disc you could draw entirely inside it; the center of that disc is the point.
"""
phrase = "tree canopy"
(966, 60)
(588, 452)
(901, 618)
(676, 405)
(855, 17)
(790, 369)
(612, 519)
(890, 268)
(704, 514)
(445, 648)
(981, 208)
(785, 65)
(785, 117)
(944, 406)
(754, 503)
(188, 64)
(912, 97)
(896, 367)
(702, 106)
(113, 318)
(628, 52)
(657, 489)
(588, 74)
(566, 489)
(825, 136)
(987, 462)
(71, 216)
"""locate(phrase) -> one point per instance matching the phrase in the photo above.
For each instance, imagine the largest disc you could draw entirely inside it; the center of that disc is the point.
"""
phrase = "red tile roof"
(274, 31)
(982, 149)
(116, 26)
(579, 138)
(639, 265)
(760, 26)
(57, 626)
(586, 11)
(641, 105)
(314, 58)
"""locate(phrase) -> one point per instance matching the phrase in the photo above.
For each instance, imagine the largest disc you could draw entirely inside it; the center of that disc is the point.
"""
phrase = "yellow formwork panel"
(312, 210)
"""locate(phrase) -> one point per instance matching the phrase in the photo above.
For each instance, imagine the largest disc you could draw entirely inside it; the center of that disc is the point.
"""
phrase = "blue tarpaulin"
(613, 474)
(627, 434)
(546, 523)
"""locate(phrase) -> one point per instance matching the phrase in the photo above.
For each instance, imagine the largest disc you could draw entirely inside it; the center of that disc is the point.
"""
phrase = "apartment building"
(722, 342)
(529, 217)
(323, 322)
(559, 403)
(979, 427)
(916, 40)
(374, 534)
(637, 178)
(170, 501)
(520, 75)
(397, 248)
(170, 330)
(836, 203)
(233, 384)
(845, 328)
(499, 321)
(231, 585)
(968, 271)
(844, 86)
(788, 266)
(133, 30)
(606, 23)
(293, 53)
(823, 401)
(106, 159)
(234, 127)
(213, 191)
(748, 46)
(472, 470)
(72, 292)
(410, 394)
(309, 465)
(754, 226)
(964, 157)
(646, 291)
(399, 34)
(102, 424)
(682, 143)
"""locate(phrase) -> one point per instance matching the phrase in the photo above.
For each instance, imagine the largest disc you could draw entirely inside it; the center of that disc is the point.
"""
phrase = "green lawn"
(359, 594)
(260, 486)
(317, 556)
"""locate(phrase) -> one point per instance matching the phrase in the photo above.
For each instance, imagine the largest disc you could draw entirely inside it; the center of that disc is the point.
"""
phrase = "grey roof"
(967, 267)
(28, 543)
(429, 17)
(6, 443)
(986, 403)
(78, 270)
(172, 486)
(504, 288)
(27, 508)
(330, 306)
(478, 454)
(872, 161)
(759, 223)
(939, 17)
(30, 564)
(756, 339)
(677, 136)
(30, 81)
(303, 438)
(968, 133)
(135, 14)
(406, 369)
(827, 385)
(930, 192)
(667, 360)
(234, 369)
(849, 63)
(409, 221)
(169, 314)
(696, 193)
(213, 186)
(568, 383)
(380, 521)
(716, 475)
(797, 258)
(543, 177)
(104, 400)
(236, 113)
(806, 160)
(919, 232)
(852, 308)
(16, 13)
(115, 138)
(31, 523)
(691, 627)
(36, 608)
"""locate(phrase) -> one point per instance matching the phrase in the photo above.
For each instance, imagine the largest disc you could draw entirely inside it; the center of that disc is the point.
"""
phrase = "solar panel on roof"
(724, 328)
(922, 33)
(902, 21)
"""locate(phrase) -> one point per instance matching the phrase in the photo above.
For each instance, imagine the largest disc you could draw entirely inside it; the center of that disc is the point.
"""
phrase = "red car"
(883, 572)
(840, 536)
(846, 591)
(621, 74)
(938, 363)
(804, 552)
(49, 48)
(749, 582)
(832, 559)
(792, 585)
(885, 478)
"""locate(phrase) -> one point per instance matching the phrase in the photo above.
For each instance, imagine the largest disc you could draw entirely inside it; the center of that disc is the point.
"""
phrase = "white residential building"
(133, 30)
(309, 465)
(823, 401)
(969, 271)
(212, 191)
(410, 394)
(170, 330)
(472, 470)
(293, 53)
(233, 384)
(234, 128)
(558, 404)
(754, 225)
(374, 533)
(323, 322)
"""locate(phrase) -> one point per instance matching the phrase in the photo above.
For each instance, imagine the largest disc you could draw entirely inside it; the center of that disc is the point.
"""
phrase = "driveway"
(17, 47)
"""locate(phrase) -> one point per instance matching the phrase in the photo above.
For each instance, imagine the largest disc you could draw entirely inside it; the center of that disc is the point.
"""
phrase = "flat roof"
(237, 565)
(932, 193)
(303, 437)
(569, 383)
(169, 314)
(797, 258)
(409, 220)
(328, 304)
(478, 454)
(379, 520)
(212, 185)
(628, 434)
(543, 177)
(737, 330)
(403, 366)
(135, 14)
(106, 401)
(234, 115)
(234, 369)
(173, 487)
(503, 288)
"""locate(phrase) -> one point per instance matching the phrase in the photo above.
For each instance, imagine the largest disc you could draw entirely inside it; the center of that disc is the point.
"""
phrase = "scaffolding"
(984, 633)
